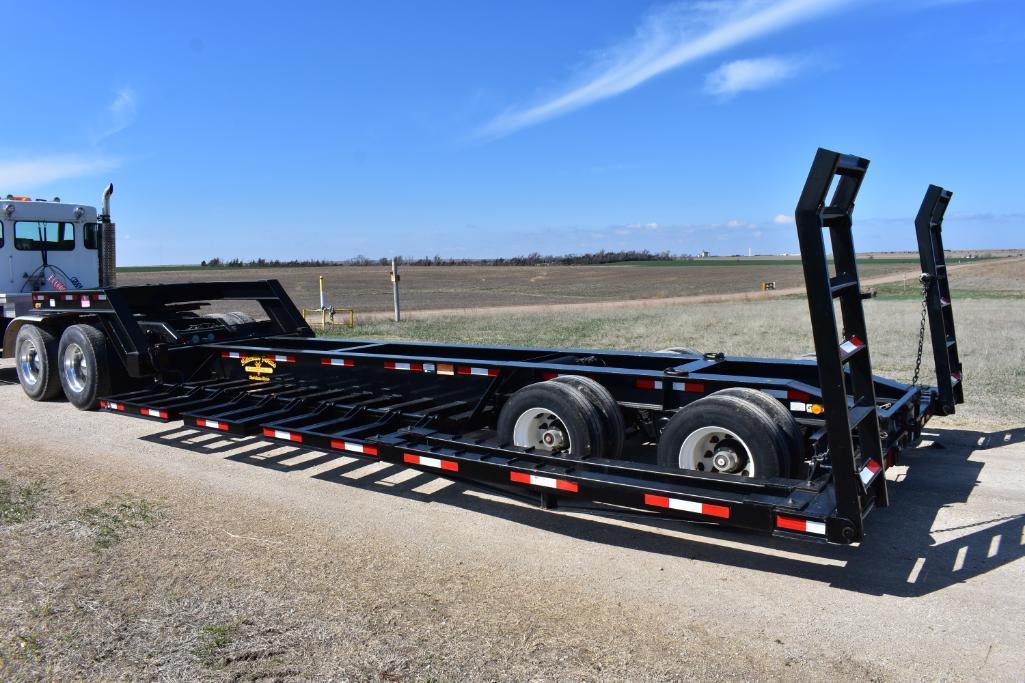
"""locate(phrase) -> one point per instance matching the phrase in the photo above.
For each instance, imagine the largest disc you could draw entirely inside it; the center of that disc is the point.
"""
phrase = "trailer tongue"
(792, 447)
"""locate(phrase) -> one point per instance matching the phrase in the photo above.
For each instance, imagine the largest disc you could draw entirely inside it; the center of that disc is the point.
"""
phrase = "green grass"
(761, 262)
(111, 521)
(18, 503)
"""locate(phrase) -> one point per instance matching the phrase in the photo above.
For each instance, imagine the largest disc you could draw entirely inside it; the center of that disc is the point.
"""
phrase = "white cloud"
(783, 219)
(749, 74)
(675, 35)
(120, 114)
(31, 173)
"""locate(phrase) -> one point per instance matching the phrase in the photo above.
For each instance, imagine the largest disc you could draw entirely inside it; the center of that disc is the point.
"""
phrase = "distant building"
(705, 254)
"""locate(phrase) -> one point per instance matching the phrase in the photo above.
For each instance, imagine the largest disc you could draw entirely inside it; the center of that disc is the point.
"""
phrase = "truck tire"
(84, 366)
(554, 417)
(612, 416)
(782, 418)
(723, 434)
(239, 318)
(35, 349)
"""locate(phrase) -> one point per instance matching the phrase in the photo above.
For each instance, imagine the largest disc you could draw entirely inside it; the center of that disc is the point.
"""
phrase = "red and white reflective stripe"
(353, 447)
(411, 367)
(869, 471)
(689, 387)
(280, 359)
(111, 405)
(805, 526)
(687, 506)
(343, 362)
(483, 372)
(436, 463)
(285, 436)
(86, 303)
(212, 424)
(851, 345)
(547, 482)
(153, 412)
(955, 378)
(230, 354)
(69, 297)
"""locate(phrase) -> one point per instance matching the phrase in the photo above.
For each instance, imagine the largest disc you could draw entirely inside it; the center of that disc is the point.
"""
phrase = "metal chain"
(926, 280)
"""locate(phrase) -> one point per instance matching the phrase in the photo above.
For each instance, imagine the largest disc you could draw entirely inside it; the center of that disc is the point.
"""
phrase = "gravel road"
(262, 562)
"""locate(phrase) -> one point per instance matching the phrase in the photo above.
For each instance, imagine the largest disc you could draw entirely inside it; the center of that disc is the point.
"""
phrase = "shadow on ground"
(900, 557)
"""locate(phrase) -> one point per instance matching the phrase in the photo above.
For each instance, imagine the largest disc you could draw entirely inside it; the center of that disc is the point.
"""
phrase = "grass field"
(368, 289)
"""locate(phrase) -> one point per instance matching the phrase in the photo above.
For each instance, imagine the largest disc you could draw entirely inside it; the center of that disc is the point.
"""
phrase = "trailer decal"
(483, 372)
(430, 462)
(353, 447)
(805, 526)
(284, 436)
(689, 387)
(341, 362)
(212, 424)
(547, 482)
(849, 347)
(868, 472)
(694, 506)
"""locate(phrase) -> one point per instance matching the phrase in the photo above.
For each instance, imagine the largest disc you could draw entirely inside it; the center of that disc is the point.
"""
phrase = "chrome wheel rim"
(542, 429)
(30, 365)
(716, 449)
(75, 368)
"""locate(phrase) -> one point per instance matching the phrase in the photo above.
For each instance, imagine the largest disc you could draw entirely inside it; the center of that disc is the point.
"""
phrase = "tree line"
(534, 259)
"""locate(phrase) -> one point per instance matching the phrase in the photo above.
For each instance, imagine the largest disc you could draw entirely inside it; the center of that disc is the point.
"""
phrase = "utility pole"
(395, 289)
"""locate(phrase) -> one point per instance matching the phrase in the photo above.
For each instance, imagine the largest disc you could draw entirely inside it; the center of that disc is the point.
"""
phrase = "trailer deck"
(434, 407)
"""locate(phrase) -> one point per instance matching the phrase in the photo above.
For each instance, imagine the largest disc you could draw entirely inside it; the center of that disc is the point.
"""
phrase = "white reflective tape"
(85, 302)
(209, 423)
(868, 471)
(428, 367)
(815, 528)
(151, 412)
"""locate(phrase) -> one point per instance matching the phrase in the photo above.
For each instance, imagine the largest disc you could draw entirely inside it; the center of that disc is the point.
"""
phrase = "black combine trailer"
(792, 447)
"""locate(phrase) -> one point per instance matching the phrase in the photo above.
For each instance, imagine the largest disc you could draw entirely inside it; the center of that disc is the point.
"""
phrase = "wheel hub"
(75, 368)
(542, 429)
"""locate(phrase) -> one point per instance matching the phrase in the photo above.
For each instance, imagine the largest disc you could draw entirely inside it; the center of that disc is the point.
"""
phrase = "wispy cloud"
(28, 174)
(783, 219)
(119, 114)
(750, 74)
(667, 39)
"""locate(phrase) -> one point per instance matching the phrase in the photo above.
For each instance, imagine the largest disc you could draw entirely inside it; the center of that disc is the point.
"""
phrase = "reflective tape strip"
(230, 354)
(153, 412)
(445, 369)
(69, 297)
(411, 367)
(353, 447)
(343, 362)
(850, 346)
(694, 506)
(285, 436)
(955, 378)
(805, 526)
(547, 482)
(101, 297)
(280, 359)
(212, 424)
(53, 303)
(689, 387)
(800, 407)
(86, 303)
(483, 372)
(430, 462)
(869, 471)
(111, 405)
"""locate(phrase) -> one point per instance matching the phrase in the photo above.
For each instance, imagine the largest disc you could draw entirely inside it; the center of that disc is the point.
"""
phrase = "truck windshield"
(40, 235)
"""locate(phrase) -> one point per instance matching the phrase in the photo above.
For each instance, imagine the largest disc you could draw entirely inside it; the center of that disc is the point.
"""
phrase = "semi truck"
(795, 448)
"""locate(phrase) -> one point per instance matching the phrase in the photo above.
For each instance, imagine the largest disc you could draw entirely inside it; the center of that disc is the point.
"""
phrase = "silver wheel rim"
(716, 449)
(29, 364)
(542, 429)
(76, 368)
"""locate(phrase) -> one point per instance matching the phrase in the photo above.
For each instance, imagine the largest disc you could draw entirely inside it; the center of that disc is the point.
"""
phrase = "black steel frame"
(432, 406)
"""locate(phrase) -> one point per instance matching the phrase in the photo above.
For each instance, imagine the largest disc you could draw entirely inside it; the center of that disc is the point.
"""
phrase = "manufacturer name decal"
(258, 368)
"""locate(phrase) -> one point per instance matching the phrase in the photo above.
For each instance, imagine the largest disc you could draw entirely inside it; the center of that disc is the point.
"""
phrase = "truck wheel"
(84, 366)
(553, 417)
(36, 352)
(781, 417)
(612, 416)
(723, 434)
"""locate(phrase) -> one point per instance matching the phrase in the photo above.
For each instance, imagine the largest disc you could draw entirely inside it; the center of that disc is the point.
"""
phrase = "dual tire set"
(736, 431)
(78, 363)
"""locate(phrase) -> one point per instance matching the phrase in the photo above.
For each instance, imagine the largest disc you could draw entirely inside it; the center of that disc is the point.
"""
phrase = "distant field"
(368, 289)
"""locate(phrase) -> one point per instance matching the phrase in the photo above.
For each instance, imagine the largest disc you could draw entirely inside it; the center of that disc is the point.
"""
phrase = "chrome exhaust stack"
(108, 244)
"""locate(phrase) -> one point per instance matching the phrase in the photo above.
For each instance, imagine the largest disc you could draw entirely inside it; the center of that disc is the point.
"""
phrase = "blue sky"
(326, 130)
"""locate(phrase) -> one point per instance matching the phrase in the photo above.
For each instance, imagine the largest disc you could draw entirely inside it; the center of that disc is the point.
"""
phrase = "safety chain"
(926, 280)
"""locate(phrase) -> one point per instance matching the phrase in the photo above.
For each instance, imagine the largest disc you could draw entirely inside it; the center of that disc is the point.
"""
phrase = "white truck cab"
(51, 246)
